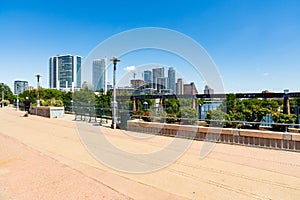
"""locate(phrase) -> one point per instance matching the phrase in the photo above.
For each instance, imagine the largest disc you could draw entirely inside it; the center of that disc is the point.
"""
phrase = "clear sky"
(254, 43)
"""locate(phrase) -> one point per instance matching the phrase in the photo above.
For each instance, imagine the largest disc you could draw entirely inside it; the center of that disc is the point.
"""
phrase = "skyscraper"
(162, 83)
(179, 87)
(100, 74)
(147, 76)
(20, 86)
(157, 73)
(65, 72)
(171, 79)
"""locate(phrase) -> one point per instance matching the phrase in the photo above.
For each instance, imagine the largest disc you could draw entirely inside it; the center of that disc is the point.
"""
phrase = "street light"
(38, 89)
(114, 118)
(2, 95)
(17, 86)
(145, 105)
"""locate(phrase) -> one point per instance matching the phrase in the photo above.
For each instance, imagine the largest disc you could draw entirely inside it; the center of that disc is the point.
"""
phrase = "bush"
(188, 115)
(171, 118)
(52, 102)
(284, 119)
(215, 118)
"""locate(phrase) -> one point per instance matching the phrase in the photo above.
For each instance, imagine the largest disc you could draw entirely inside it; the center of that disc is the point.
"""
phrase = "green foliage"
(188, 115)
(31, 94)
(52, 102)
(48, 97)
(230, 103)
(215, 118)
(84, 97)
(295, 102)
(171, 118)
(8, 95)
(66, 98)
(104, 100)
(171, 105)
(251, 110)
(200, 101)
(142, 101)
(282, 118)
(185, 102)
(49, 93)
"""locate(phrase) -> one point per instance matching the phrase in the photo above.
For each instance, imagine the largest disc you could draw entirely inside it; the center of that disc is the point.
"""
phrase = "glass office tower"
(65, 72)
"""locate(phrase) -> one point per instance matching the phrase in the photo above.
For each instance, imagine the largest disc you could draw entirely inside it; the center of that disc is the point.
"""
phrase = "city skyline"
(255, 44)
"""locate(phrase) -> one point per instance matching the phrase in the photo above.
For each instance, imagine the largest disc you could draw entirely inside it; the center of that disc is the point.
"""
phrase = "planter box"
(50, 112)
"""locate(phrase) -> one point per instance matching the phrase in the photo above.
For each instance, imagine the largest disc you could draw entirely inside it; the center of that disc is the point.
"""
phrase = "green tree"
(188, 115)
(216, 118)
(284, 119)
(8, 95)
(46, 94)
(84, 97)
(171, 105)
(31, 94)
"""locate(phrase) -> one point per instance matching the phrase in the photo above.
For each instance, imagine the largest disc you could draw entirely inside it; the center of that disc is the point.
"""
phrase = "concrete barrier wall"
(266, 139)
(50, 112)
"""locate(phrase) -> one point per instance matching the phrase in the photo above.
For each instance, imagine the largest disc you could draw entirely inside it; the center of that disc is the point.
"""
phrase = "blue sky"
(254, 43)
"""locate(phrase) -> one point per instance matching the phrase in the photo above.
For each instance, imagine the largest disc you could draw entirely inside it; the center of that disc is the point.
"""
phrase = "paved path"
(44, 158)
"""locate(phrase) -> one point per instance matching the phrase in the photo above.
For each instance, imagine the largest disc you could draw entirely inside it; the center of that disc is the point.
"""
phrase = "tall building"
(65, 72)
(190, 89)
(100, 74)
(148, 76)
(171, 79)
(208, 90)
(162, 83)
(179, 87)
(157, 73)
(20, 86)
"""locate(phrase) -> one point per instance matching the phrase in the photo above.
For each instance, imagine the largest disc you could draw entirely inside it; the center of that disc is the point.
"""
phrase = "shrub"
(284, 119)
(215, 118)
(188, 115)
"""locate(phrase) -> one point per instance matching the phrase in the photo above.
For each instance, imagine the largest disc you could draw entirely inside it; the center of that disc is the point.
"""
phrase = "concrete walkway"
(44, 158)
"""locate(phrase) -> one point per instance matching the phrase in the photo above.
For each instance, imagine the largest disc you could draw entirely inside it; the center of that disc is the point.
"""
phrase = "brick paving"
(44, 158)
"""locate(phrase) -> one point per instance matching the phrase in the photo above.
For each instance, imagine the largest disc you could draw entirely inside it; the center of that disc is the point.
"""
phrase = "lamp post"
(17, 85)
(38, 89)
(2, 95)
(145, 105)
(114, 118)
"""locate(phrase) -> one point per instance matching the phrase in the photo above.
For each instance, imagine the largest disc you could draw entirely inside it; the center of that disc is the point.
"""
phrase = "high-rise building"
(148, 76)
(65, 72)
(157, 73)
(20, 86)
(208, 90)
(100, 74)
(190, 89)
(171, 80)
(179, 87)
(162, 83)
